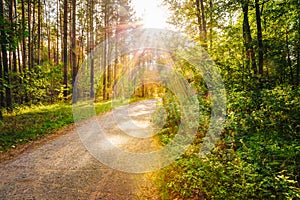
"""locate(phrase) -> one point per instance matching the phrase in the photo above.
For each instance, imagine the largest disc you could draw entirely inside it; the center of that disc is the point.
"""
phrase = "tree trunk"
(250, 54)
(259, 39)
(33, 42)
(288, 57)
(23, 36)
(204, 36)
(105, 52)
(13, 61)
(2, 104)
(211, 24)
(49, 37)
(73, 53)
(29, 34)
(6, 75)
(39, 32)
(65, 41)
(57, 32)
(199, 17)
(92, 92)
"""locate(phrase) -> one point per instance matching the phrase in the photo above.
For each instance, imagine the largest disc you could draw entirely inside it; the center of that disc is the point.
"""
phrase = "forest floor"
(60, 167)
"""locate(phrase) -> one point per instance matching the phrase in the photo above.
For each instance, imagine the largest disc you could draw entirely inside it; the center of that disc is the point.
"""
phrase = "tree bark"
(105, 53)
(65, 44)
(23, 36)
(259, 38)
(3, 45)
(39, 32)
(250, 53)
(203, 22)
(92, 92)
(211, 24)
(2, 104)
(29, 33)
(73, 53)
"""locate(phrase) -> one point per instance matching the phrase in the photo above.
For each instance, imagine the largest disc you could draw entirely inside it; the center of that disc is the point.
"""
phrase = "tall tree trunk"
(49, 36)
(15, 68)
(65, 41)
(298, 50)
(39, 32)
(57, 32)
(199, 17)
(92, 71)
(33, 42)
(250, 54)
(2, 104)
(105, 52)
(29, 33)
(4, 44)
(23, 36)
(13, 60)
(204, 36)
(73, 53)
(259, 39)
(62, 34)
(288, 57)
(116, 49)
(211, 24)
(201, 21)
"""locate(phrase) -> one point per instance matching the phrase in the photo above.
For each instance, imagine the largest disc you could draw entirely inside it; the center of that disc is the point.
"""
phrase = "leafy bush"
(256, 159)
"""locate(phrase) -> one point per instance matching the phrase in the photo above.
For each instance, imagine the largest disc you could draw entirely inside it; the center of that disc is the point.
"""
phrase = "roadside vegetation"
(257, 157)
(28, 124)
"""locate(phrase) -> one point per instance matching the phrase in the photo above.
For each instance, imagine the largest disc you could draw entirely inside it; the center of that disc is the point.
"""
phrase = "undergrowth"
(257, 157)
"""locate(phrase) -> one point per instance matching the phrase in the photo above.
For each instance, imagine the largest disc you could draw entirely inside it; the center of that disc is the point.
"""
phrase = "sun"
(151, 12)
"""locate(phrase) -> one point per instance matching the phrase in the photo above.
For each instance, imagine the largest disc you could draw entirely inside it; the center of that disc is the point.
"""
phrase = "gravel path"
(64, 169)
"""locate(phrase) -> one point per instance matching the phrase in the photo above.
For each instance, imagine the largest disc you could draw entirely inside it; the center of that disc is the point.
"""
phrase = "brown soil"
(60, 167)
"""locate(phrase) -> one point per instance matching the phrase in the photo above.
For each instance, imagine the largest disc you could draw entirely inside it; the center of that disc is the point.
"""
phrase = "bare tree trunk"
(13, 61)
(57, 33)
(33, 37)
(288, 57)
(211, 24)
(92, 92)
(49, 37)
(199, 17)
(65, 41)
(73, 53)
(6, 75)
(105, 52)
(62, 34)
(250, 54)
(2, 104)
(29, 34)
(298, 51)
(39, 32)
(259, 39)
(23, 36)
(204, 36)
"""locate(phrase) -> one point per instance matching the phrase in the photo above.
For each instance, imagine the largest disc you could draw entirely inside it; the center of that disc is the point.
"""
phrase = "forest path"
(64, 169)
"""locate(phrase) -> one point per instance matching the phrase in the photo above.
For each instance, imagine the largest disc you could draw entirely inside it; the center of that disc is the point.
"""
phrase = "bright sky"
(153, 14)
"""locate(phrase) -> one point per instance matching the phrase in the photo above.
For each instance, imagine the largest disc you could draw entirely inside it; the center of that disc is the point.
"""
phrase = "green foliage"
(27, 124)
(256, 159)
(171, 108)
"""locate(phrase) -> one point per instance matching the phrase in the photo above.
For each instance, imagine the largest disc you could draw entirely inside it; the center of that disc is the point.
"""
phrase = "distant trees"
(43, 43)
(255, 40)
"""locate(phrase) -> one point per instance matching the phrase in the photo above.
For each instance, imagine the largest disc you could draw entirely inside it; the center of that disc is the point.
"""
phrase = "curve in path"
(64, 169)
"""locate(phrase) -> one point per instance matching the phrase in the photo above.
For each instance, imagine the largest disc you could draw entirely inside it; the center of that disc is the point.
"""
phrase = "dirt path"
(64, 169)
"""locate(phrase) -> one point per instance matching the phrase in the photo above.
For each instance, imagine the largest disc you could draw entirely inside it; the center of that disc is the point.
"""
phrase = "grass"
(32, 123)
(28, 124)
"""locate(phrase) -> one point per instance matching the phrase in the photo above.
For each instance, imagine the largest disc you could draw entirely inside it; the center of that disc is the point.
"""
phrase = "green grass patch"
(27, 124)
(32, 123)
